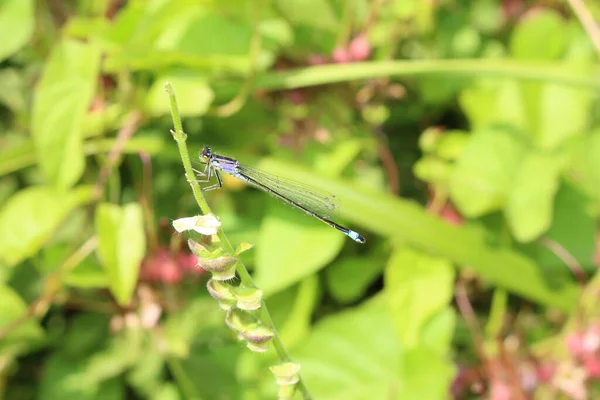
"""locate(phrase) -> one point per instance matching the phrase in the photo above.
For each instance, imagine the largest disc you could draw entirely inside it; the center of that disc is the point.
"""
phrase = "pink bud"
(189, 262)
(340, 56)
(316, 59)
(170, 272)
(574, 343)
(545, 372)
(359, 48)
(592, 367)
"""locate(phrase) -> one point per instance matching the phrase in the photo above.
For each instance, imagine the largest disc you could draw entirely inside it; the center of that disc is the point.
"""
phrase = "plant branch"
(587, 21)
(335, 73)
(180, 137)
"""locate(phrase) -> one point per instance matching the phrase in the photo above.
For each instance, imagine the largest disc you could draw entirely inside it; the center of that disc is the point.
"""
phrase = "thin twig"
(587, 21)
(566, 257)
(124, 134)
(466, 310)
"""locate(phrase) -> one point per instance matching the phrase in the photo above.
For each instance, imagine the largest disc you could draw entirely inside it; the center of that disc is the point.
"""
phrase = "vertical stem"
(180, 137)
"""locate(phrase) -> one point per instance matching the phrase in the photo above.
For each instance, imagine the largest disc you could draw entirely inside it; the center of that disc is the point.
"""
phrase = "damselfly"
(314, 202)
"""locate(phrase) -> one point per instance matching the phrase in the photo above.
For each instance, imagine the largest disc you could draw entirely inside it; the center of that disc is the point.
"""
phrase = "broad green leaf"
(87, 274)
(573, 228)
(291, 247)
(541, 36)
(303, 12)
(194, 96)
(147, 373)
(166, 391)
(61, 101)
(353, 355)
(56, 381)
(407, 222)
(427, 374)
(564, 112)
(484, 173)
(356, 355)
(13, 88)
(587, 165)
(31, 216)
(417, 287)
(490, 101)
(17, 21)
(12, 307)
(349, 279)
(530, 205)
(121, 246)
(299, 312)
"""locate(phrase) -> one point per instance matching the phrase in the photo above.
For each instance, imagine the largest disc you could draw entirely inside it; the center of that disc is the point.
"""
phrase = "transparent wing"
(316, 200)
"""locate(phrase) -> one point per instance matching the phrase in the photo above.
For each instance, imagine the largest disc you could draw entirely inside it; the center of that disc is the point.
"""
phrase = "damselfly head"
(206, 153)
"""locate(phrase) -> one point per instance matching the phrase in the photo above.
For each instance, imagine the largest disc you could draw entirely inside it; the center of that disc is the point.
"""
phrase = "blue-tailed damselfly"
(312, 201)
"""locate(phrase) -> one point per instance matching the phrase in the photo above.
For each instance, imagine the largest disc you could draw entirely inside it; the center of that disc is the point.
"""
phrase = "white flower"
(203, 224)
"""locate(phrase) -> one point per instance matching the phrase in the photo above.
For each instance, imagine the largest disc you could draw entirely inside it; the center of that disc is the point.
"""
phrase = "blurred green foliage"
(462, 139)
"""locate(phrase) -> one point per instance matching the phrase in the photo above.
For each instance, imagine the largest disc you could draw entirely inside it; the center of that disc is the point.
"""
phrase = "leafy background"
(462, 138)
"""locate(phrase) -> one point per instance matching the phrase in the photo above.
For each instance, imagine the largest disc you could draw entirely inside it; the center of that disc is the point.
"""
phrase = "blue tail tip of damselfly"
(357, 237)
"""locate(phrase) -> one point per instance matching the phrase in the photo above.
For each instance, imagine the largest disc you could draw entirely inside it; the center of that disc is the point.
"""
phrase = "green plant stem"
(180, 137)
(507, 69)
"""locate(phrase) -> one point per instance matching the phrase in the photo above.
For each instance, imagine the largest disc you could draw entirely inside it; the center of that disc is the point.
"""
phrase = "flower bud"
(256, 334)
(221, 265)
(240, 320)
(248, 298)
(286, 373)
(221, 292)
(258, 338)
(286, 376)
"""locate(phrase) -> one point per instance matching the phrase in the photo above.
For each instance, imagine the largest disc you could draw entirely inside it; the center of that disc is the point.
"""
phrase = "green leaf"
(417, 287)
(356, 355)
(31, 216)
(87, 274)
(573, 227)
(484, 173)
(529, 208)
(563, 112)
(349, 279)
(166, 391)
(194, 96)
(147, 373)
(299, 312)
(353, 355)
(303, 12)
(426, 374)
(587, 165)
(12, 307)
(57, 380)
(121, 246)
(291, 247)
(13, 89)
(492, 101)
(17, 20)
(407, 222)
(61, 101)
(541, 36)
